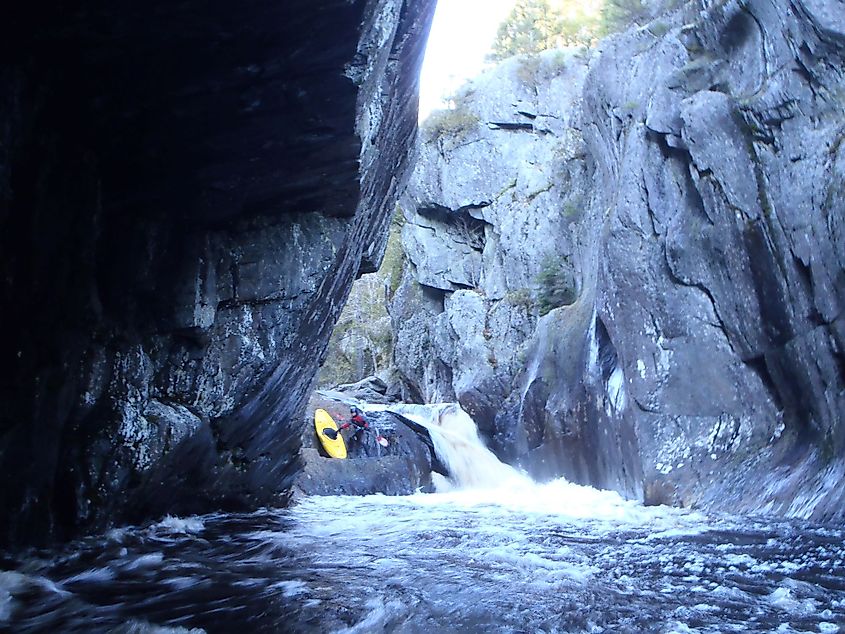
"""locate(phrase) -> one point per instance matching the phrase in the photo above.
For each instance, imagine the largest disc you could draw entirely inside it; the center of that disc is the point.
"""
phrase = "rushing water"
(512, 556)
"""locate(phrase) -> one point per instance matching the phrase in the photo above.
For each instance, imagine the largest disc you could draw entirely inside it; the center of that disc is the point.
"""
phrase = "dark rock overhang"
(202, 110)
(187, 190)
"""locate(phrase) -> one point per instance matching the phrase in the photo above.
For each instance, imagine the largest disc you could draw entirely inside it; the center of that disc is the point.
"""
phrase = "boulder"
(371, 389)
(401, 468)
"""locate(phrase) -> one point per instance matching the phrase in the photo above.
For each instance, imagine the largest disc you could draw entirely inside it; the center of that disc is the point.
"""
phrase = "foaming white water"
(496, 552)
(547, 558)
(180, 524)
(10, 582)
(478, 478)
(142, 627)
(460, 448)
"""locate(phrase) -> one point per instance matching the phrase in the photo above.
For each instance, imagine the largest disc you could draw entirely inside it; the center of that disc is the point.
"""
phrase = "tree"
(538, 25)
(555, 284)
(618, 15)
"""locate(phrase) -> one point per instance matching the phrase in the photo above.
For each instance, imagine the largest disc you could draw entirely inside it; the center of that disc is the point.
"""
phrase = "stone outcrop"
(186, 193)
(402, 468)
(693, 353)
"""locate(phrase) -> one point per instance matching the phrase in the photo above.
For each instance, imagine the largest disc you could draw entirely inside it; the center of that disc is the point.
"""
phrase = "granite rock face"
(494, 206)
(186, 193)
(726, 175)
(697, 355)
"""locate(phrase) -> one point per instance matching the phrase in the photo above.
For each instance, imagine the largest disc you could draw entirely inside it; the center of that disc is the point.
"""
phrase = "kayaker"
(356, 418)
(361, 425)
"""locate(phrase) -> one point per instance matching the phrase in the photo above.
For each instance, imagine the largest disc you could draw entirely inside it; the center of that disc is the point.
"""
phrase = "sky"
(461, 37)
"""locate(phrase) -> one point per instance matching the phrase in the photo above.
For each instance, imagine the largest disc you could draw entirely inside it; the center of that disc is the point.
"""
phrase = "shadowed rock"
(403, 467)
(187, 191)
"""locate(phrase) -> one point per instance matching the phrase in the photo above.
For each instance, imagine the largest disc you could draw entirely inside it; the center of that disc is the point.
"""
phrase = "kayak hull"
(334, 448)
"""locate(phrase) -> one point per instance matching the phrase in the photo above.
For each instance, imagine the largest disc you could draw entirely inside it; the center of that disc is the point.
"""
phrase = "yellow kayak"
(335, 448)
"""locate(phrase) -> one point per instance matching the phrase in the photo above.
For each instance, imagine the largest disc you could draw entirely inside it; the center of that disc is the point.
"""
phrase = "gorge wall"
(187, 191)
(627, 263)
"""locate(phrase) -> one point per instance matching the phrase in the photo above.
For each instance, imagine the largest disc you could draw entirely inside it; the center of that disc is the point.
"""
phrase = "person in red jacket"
(357, 419)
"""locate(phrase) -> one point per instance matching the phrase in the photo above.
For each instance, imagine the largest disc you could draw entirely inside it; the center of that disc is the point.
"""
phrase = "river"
(506, 555)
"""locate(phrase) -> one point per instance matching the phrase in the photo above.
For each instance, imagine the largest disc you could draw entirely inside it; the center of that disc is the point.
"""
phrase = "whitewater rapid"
(491, 553)
(478, 477)
(459, 448)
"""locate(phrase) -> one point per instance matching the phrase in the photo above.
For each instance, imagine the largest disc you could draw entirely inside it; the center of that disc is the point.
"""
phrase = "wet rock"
(371, 389)
(401, 468)
(719, 201)
(186, 194)
(495, 235)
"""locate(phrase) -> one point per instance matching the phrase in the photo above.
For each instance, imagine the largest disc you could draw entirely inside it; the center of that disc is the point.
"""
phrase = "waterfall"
(460, 448)
(477, 476)
(603, 364)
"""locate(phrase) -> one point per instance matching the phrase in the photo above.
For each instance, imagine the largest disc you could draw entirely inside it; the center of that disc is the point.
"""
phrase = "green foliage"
(557, 64)
(337, 370)
(455, 123)
(618, 15)
(394, 258)
(521, 298)
(555, 285)
(362, 340)
(532, 69)
(538, 25)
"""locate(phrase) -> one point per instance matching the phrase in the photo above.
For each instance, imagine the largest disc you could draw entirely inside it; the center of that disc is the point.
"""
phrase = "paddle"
(332, 433)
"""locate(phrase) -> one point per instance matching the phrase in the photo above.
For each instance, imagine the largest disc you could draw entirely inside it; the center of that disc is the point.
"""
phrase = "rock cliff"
(629, 268)
(187, 191)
